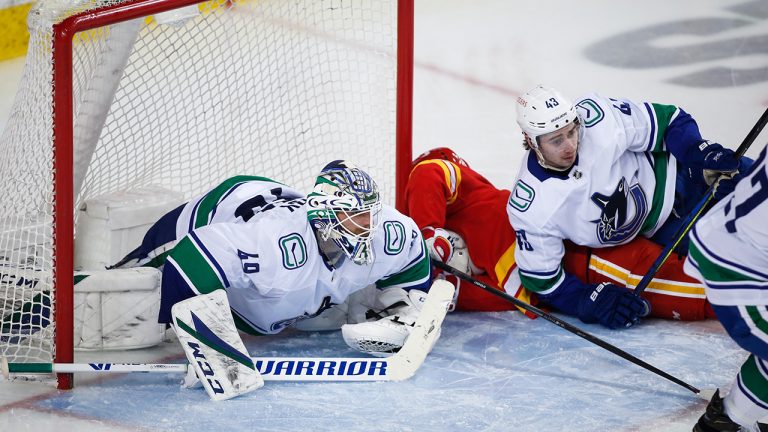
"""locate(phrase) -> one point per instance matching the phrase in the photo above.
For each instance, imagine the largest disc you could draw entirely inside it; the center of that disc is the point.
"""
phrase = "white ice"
(489, 371)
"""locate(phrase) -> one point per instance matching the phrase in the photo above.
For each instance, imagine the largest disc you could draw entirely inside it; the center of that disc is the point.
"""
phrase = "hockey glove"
(612, 306)
(438, 243)
(711, 163)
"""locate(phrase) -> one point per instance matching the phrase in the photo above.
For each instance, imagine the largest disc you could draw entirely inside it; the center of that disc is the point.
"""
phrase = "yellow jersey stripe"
(657, 285)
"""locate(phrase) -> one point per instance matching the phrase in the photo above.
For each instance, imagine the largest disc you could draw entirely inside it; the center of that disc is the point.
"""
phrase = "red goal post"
(308, 83)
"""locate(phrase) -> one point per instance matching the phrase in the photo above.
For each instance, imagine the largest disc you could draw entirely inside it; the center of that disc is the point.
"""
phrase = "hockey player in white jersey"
(236, 199)
(729, 253)
(598, 173)
(297, 258)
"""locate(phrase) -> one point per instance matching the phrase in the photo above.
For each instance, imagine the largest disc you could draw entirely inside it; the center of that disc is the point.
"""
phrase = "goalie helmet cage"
(118, 95)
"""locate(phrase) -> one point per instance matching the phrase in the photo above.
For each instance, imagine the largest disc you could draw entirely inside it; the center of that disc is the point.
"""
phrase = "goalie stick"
(398, 367)
(705, 394)
(700, 209)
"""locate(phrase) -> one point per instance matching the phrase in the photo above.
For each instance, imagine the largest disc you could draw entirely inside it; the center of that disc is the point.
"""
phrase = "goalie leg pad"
(117, 309)
(385, 336)
(212, 344)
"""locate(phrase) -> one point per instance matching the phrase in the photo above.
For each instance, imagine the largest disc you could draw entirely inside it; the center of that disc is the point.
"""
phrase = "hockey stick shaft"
(700, 208)
(271, 368)
(564, 325)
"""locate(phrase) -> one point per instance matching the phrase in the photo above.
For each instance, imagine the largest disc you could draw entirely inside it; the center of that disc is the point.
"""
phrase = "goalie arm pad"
(207, 333)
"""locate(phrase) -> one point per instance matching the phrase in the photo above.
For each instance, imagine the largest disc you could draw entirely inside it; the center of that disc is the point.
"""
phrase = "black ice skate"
(715, 419)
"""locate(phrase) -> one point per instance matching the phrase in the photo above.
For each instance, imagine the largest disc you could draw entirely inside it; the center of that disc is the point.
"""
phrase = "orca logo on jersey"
(615, 224)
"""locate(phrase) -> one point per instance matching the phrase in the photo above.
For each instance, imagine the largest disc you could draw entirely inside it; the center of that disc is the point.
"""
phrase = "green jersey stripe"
(753, 379)
(757, 319)
(193, 265)
(159, 260)
(712, 271)
(417, 273)
(663, 114)
(541, 285)
(660, 165)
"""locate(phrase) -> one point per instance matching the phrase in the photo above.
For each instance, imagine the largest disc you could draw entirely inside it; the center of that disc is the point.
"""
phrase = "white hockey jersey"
(275, 275)
(621, 185)
(728, 251)
(236, 199)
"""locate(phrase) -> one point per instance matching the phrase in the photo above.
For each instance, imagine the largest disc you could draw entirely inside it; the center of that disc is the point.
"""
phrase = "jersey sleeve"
(644, 126)
(411, 268)
(538, 255)
(431, 186)
(728, 245)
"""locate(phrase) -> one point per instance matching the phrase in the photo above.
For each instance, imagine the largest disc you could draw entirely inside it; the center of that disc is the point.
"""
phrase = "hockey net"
(118, 95)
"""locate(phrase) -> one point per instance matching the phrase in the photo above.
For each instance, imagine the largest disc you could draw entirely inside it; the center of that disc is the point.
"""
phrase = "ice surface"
(489, 371)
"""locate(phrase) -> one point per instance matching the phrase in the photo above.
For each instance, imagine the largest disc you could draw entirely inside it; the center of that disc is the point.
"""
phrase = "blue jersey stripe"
(652, 116)
(193, 216)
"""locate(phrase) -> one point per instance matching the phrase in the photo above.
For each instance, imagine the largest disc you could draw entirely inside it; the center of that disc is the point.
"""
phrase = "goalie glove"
(391, 325)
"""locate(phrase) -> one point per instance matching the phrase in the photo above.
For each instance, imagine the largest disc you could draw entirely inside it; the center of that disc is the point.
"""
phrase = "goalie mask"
(542, 111)
(344, 207)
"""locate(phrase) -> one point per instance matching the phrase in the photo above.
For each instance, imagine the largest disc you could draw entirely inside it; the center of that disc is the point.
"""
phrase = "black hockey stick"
(700, 209)
(704, 394)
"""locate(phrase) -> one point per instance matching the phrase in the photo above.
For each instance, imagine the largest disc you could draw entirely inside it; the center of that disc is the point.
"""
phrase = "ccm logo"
(206, 368)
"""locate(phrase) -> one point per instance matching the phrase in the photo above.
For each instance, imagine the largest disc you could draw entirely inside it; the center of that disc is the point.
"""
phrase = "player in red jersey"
(464, 221)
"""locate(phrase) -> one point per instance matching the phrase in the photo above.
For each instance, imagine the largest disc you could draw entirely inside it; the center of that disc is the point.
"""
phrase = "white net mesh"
(270, 87)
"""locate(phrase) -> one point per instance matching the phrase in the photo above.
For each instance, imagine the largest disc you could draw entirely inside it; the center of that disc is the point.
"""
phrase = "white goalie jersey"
(236, 199)
(273, 270)
(621, 185)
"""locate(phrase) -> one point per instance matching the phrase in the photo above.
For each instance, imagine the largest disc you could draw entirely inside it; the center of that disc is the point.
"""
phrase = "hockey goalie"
(338, 257)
